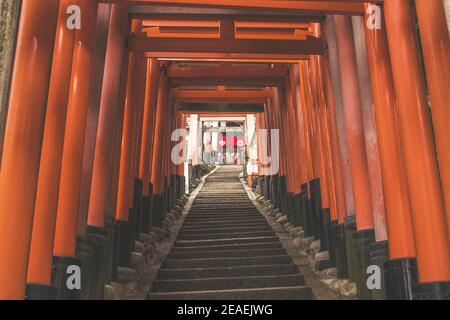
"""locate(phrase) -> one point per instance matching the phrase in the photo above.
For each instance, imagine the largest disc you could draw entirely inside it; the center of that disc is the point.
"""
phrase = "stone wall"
(9, 17)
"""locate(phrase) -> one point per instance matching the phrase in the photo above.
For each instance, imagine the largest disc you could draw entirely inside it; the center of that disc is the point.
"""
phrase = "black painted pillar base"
(156, 213)
(363, 239)
(432, 291)
(110, 230)
(182, 186)
(259, 185)
(352, 263)
(274, 191)
(60, 277)
(316, 205)
(283, 194)
(145, 215)
(40, 292)
(137, 207)
(96, 237)
(400, 277)
(378, 255)
(85, 253)
(173, 191)
(305, 210)
(290, 207)
(123, 243)
(325, 232)
(267, 187)
(165, 199)
(132, 223)
(298, 221)
(195, 170)
(263, 187)
(340, 247)
(332, 242)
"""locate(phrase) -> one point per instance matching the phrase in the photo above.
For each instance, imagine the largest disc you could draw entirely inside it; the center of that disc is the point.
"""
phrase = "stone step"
(281, 293)
(227, 254)
(225, 226)
(248, 240)
(227, 250)
(228, 283)
(229, 206)
(225, 262)
(222, 220)
(216, 230)
(223, 211)
(215, 236)
(224, 216)
(243, 246)
(245, 223)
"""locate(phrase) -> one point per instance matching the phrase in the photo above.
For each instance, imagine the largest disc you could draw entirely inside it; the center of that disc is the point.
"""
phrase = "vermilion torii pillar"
(108, 117)
(145, 166)
(354, 122)
(41, 250)
(276, 109)
(100, 218)
(436, 49)
(72, 158)
(93, 117)
(398, 209)
(295, 79)
(135, 182)
(338, 182)
(293, 133)
(431, 240)
(126, 156)
(67, 214)
(306, 150)
(338, 118)
(370, 134)
(157, 174)
(151, 102)
(23, 140)
(329, 214)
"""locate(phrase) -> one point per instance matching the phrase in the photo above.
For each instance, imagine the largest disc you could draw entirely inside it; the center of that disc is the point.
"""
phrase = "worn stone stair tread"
(224, 223)
(227, 253)
(207, 217)
(225, 241)
(228, 283)
(221, 236)
(280, 293)
(242, 246)
(216, 262)
(227, 230)
(241, 218)
(224, 229)
(237, 271)
(226, 250)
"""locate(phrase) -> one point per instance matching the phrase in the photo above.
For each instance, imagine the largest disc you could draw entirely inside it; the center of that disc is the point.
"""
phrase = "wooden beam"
(323, 7)
(140, 43)
(225, 96)
(220, 108)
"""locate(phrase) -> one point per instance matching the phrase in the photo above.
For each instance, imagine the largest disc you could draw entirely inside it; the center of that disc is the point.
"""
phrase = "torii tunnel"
(224, 149)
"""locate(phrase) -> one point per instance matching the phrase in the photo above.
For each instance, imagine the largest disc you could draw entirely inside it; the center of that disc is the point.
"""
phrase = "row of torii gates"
(363, 113)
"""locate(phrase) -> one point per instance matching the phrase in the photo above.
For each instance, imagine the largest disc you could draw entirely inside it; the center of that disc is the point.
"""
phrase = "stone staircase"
(227, 250)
